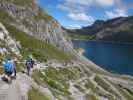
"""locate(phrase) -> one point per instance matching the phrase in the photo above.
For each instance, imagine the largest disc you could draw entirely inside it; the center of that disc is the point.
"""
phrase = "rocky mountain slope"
(57, 75)
(8, 46)
(27, 16)
(117, 29)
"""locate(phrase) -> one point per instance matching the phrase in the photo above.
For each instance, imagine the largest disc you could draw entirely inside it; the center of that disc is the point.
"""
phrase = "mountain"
(29, 17)
(59, 73)
(118, 29)
(27, 20)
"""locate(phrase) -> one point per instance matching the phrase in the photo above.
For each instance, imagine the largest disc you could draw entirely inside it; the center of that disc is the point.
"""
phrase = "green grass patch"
(91, 97)
(57, 87)
(125, 92)
(101, 82)
(63, 74)
(90, 85)
(57, 79)
(1, 71)
(21, 2)
(80, 88)
(5, 18)
(39, 49)
(82, 37)
(34, 94)
(39, 78)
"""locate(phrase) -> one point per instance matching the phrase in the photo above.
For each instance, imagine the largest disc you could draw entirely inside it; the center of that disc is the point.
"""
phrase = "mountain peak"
(117, 29)
(98, 22)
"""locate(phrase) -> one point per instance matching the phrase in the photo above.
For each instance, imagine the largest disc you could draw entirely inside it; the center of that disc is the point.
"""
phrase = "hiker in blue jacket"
(8, 69)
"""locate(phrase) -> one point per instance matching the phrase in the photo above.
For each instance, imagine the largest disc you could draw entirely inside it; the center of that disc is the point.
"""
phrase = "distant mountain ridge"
(118, 29)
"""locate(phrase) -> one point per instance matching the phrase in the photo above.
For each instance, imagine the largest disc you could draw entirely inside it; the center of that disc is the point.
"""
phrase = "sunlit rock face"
(7, 44)
(34, 21)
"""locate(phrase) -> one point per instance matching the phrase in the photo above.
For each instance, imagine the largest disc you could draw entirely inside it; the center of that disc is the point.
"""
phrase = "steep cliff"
(28, 17)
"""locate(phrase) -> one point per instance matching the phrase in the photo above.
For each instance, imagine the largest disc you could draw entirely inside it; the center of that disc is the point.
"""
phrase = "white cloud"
(79, 10)
(71, 7)
(88, 3)
(105, 2)
(81, 17)
(116, 13)
(82, 6)
(81, 2)
(74, 26)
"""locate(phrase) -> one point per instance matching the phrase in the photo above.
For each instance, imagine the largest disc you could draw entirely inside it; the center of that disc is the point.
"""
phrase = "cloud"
(74, 26)
(105, 3)
(84, 4)
(79, 10)
(116, 13)
(76, 9)
(81, 17)
(81, 2)
(72, 6)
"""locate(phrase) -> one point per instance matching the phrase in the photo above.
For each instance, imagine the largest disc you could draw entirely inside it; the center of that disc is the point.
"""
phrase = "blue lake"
(114, 57)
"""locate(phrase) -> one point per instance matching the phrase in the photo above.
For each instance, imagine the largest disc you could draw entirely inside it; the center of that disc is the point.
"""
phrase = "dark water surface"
(114, 57)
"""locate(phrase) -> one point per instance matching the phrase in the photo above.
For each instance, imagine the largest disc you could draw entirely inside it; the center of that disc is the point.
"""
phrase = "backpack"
(8, 66)
(32, 63)
(28, 63)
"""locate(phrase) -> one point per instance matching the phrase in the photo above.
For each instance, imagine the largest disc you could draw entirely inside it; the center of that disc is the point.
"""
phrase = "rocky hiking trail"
(18, 89)
(9, 91)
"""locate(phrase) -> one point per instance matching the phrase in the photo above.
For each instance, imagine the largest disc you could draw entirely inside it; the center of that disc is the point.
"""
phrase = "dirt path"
(9, 91)
(19, 88)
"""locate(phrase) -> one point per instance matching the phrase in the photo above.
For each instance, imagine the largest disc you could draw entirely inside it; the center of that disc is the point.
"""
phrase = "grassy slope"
(40, 50)
(36, 47)
(31, 45)
(57, 79)
(5, 18)
(35, 95)
(81, 37)
(21, 2)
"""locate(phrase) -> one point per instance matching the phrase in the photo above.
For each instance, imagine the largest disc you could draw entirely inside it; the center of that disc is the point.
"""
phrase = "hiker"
(8, 69)
(32, 63)
(29, 64)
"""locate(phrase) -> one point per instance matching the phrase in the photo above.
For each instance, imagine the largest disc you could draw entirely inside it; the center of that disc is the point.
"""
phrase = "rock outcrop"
(34, 21)
(7, 44)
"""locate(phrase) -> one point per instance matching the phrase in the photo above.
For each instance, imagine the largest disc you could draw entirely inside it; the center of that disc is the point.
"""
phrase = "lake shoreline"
(98, 69)
(100, 41)
(104, 54)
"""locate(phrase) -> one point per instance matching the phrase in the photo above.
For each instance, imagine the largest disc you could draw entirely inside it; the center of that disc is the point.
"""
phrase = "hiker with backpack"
(8, 69)
(29, 64)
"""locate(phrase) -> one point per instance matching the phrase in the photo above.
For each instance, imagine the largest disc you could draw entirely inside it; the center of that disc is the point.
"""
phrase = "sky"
(79, 13)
